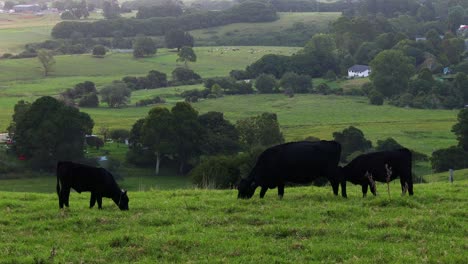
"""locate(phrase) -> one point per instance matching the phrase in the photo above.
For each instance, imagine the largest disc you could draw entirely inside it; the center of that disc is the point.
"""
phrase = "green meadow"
(286, 21)
(309, 225)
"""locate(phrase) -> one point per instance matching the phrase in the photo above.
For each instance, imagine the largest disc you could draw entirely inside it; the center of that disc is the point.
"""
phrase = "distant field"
(17, 30)
(299, 117)
(22, 79)
(309, 225)
(208, 36)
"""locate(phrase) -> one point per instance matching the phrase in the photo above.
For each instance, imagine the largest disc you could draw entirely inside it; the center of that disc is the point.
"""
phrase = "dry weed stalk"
(372, 182)
(388, 178)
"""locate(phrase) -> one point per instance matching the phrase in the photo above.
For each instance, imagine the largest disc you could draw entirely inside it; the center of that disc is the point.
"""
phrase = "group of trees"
(83, 94)
(159, 26)
(48, 130)
(183, 135)
(454, 157)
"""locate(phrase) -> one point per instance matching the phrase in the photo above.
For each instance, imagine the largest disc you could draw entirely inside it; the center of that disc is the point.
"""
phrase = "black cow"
(296, 162)
(383, 166)
(85, 178)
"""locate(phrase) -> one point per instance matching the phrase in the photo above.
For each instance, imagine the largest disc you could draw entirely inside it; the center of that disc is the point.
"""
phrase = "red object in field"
(21, 157)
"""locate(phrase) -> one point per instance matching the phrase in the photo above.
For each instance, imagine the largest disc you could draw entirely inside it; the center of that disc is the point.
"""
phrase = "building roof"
(359, 68)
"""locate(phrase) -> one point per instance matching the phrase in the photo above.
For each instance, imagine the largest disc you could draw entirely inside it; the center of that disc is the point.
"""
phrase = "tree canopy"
(391, 71)
(49, 130)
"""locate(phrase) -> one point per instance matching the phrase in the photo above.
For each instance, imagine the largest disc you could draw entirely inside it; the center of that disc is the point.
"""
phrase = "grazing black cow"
(383, 166)
(296, 162)
(85, 178)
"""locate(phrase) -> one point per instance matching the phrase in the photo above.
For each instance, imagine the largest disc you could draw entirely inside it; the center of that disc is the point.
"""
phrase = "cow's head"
(246, 189)
(123, 200)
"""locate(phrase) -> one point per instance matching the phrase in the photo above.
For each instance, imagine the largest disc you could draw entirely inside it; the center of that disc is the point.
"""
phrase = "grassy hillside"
(22, 79)
(16, 30)
(19, 29)
(279, 31)
(309, 225)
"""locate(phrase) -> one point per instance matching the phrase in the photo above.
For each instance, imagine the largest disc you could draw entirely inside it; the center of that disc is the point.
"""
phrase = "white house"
(359, 71)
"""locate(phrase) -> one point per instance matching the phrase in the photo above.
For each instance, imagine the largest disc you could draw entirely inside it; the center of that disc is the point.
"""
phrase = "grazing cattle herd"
(295, 162)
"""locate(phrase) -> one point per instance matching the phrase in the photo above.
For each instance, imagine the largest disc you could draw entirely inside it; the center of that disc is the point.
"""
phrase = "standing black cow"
(383, 166)
(85, 178)
(296, 162)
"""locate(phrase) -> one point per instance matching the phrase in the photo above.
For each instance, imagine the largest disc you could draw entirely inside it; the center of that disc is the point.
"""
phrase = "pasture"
(253, 31)
(309, 225)
(16, 30)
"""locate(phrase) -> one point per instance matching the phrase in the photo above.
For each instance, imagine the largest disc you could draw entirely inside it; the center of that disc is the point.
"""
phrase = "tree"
(273, 64)
(266, 83)
(144, 46)
(115, 94)
(455, 17)
(99, 51)
(46, 58)
(298, 83)
(188, 133)
(184, 75)
(49, 130)
(156, 79)
(221, 136)
(387, 144)
(391, 71)
(450, 158)
(119, 135)
(460, 129)
(262, 130)
(351, 139)
(375, 97)
(186, 54)
(67, 15)
(178, 39)
(20, 110)
(461, 85)
(111, 9)
(156, 132)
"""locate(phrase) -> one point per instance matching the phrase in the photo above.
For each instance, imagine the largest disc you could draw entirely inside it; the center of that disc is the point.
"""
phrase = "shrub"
(450, 158)
(67, 15)
(89, 100)
(323, 88)
(266, 83)
(182, 74)
(99, 51)
(375, 97)
(330, 75)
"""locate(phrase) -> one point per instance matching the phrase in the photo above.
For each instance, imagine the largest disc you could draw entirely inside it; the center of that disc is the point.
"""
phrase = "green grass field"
(208, 36)
(309, 225)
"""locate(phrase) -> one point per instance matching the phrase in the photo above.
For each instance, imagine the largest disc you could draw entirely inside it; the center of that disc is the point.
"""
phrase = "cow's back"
(298, 162)
(376, 163)
(81, 177)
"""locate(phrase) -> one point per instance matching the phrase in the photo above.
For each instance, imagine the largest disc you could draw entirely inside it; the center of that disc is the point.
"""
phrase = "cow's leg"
(343, 189)
(92, 201)
(364, 190)
(280, 191)
(410, 185)
(263, 191)
(65, 193)
(406, 185)
(99, 200)
(60, 199)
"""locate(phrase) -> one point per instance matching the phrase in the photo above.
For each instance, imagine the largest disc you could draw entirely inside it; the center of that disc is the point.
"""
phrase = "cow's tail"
(58, 180)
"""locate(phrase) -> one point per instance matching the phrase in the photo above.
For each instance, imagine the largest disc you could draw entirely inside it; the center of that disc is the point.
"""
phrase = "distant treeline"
(157, 26)
(309, 6)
